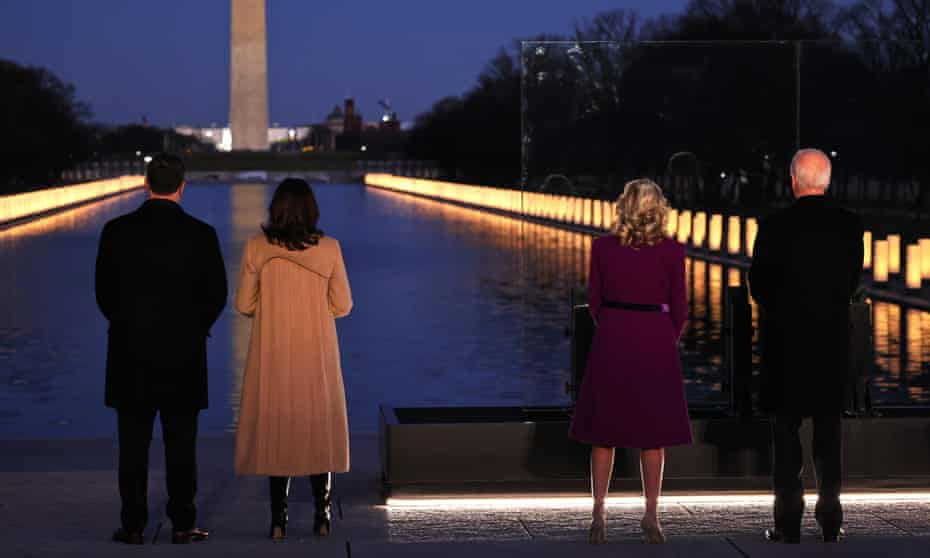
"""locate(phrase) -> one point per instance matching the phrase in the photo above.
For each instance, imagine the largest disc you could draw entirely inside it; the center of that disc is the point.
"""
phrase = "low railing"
(20, 207)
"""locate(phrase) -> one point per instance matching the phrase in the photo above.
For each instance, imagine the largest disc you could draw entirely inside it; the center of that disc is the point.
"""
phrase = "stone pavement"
(59, 498)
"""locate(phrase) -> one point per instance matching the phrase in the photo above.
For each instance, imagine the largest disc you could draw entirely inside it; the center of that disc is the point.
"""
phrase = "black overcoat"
(161, 284)
(807, 262)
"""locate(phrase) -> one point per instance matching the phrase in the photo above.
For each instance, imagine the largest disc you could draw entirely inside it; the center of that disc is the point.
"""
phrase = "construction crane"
(388, 115)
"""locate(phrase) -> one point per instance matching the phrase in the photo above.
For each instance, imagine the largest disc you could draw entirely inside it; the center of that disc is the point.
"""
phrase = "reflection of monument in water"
(248, 91)
(249, 203)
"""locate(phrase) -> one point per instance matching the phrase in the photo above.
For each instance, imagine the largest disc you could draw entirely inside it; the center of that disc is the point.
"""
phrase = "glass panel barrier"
(716, 125)
(868, 104)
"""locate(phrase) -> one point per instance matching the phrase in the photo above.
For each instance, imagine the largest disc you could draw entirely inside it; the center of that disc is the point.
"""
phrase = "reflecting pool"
(452, 307)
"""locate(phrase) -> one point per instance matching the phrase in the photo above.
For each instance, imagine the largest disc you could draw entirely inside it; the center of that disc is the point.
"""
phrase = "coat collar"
(811, 199)
(161, 210)
(161, 204)
(317, 259)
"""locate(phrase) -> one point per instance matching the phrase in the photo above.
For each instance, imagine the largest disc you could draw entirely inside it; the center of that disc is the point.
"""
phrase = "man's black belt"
(635, 307)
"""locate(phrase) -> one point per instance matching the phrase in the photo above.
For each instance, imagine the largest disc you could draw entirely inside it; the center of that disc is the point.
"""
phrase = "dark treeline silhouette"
(47, 130)
(712, 102)
(43, 127)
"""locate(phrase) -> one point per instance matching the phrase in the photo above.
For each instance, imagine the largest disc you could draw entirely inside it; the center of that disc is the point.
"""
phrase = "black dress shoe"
(127, 537)
(776, 535)
(190, 536)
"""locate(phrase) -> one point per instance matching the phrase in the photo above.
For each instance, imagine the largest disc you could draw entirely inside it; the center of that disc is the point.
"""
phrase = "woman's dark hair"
(293, 216)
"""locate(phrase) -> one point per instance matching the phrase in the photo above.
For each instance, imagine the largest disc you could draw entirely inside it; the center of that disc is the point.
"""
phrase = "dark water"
(452, 307)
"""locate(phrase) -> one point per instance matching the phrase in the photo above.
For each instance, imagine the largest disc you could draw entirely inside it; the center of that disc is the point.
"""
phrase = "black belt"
(635, 307)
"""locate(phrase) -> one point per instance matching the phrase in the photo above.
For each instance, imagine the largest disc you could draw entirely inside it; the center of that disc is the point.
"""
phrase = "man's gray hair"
(811, 169)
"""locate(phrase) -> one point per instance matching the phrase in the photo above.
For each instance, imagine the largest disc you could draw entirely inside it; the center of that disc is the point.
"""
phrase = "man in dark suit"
(161, 284)
(806, 266)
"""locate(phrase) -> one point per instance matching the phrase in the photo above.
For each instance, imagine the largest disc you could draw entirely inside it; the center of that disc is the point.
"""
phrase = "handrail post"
(737, 334)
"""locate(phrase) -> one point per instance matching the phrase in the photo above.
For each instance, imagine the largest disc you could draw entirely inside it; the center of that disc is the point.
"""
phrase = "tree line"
(46, 130)
(713, 101)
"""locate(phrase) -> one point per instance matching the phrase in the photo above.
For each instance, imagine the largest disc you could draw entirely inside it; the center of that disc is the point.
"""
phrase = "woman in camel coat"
(292, 418)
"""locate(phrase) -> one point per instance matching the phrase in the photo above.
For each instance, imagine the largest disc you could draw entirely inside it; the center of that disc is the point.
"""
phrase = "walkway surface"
(60, 499)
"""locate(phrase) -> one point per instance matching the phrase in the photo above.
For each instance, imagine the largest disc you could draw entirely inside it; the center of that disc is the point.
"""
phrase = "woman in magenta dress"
(632, 395)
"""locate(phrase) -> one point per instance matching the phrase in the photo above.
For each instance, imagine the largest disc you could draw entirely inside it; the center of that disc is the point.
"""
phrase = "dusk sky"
(169, 59)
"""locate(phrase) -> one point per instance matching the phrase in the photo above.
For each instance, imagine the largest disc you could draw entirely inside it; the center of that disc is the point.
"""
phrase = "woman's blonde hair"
(642, 214)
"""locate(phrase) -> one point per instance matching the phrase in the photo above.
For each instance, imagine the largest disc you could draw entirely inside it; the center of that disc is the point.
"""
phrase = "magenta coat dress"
(633, 395)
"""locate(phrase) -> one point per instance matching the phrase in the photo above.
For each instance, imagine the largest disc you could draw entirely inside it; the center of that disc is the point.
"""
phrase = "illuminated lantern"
(733, 235)
(715, 237)
(752, 227)
(924, 258)
(866, 249)
(684, 226)
(880, 261)
(894, 253)
(671, 226)
(733, 277)
(699, 229)
(19, 206)
(913, 271)
(609, 215)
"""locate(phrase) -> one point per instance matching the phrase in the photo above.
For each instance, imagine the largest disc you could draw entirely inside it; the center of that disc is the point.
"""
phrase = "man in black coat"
(161, 284)
(806, 265)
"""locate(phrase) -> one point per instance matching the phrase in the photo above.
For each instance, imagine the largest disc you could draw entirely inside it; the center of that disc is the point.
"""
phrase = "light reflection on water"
(453, 307)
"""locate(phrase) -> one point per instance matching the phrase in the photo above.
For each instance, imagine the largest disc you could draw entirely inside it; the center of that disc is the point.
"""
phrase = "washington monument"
(248, 99)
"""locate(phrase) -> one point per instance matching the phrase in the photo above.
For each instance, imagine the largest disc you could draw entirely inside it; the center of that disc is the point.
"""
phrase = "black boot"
(322, 486)
(279, 489)
(788, 514)
(829, 515)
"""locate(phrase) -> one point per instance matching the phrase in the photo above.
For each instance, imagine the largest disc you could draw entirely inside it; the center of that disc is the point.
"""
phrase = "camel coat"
(292, 418)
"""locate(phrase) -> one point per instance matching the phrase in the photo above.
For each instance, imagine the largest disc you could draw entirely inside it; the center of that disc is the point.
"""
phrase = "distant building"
(222, 137)
(344, 129)
(335, 122)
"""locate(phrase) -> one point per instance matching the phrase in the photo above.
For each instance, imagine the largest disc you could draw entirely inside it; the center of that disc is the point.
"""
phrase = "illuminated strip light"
(30, 204)
(69, 219)
(568, 502)
(582, 211)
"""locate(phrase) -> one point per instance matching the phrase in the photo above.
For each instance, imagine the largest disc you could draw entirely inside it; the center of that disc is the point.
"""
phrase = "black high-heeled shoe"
(279, 489)
(829, 515)
(321, 486)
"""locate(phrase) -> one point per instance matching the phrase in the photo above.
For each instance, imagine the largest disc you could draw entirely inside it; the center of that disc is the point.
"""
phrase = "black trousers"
(179, 432)
(788, 468)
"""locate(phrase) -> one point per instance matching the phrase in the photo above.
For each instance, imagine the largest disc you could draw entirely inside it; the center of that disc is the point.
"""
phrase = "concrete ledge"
(474, 449)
